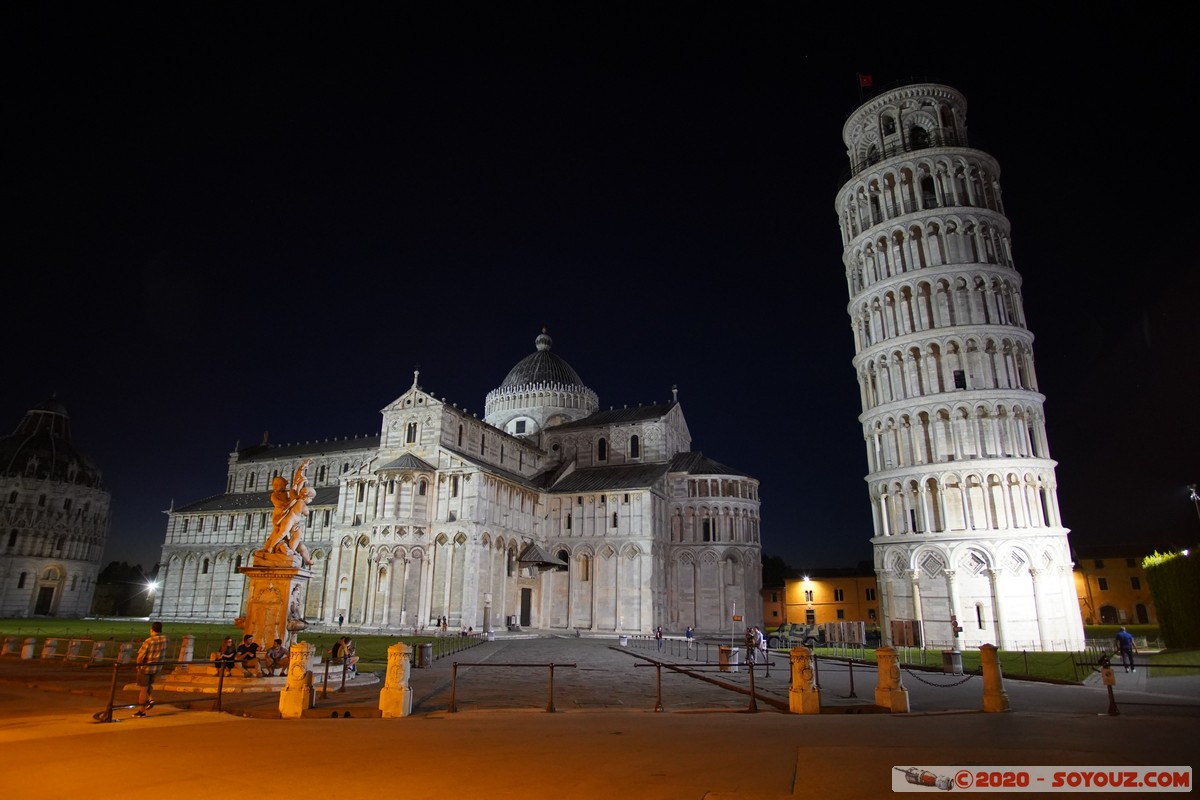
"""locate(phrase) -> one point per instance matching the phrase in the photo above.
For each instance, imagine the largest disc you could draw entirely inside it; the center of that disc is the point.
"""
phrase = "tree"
(121, 591)
(776, 572)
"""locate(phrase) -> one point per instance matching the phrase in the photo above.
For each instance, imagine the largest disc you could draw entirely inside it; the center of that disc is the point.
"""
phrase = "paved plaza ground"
(605, 737)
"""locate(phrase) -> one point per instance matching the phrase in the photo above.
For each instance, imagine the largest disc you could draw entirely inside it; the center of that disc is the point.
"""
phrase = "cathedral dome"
(541, 390)
(542, 367)
(41, 448)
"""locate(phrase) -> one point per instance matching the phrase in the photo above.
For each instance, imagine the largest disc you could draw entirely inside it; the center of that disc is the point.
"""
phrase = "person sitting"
(247, 656)
(225, 656)
(276, 658)
(350, 653)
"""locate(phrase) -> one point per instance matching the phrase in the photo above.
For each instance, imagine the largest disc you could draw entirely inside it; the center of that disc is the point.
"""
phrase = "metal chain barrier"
(939, 685)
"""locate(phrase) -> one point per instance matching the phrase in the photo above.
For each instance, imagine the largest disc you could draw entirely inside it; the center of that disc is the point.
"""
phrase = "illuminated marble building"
(54, 518)
(962, 486)
(548, 513)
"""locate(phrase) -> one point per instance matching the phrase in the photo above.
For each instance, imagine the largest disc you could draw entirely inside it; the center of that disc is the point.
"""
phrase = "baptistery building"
(549, 513)
(54, 519)
(968, 541)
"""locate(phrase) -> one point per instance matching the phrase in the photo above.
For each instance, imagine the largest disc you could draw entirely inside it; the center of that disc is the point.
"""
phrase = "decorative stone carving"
(284, 546)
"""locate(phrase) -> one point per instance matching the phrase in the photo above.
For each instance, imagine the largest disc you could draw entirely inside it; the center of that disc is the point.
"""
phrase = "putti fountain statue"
(279, 575)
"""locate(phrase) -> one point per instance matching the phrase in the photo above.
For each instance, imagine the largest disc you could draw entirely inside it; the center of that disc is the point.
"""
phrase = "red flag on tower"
(864, 81)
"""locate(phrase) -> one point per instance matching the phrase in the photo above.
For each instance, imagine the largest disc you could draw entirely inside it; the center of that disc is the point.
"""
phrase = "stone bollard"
(127, 653)
(395, 698)
(187, 646)
(804, 697)
(300, 694)
(98, 651)
(889, 691)
(49, 649)
(11, 646)
(75, 650)
(28, 648)
(994, 696)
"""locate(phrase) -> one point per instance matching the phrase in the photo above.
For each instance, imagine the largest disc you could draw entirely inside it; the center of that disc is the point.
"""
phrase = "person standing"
(1124, 645)
(149, 663)
(658, 635)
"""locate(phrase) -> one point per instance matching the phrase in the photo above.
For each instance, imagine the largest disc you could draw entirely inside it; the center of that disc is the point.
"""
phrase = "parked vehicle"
(791, 635)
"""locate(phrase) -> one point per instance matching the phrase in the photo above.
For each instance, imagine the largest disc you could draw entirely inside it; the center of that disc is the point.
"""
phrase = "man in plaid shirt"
(150, 653)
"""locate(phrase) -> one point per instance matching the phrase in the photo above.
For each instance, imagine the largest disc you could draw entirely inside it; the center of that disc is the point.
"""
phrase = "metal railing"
(454, 679)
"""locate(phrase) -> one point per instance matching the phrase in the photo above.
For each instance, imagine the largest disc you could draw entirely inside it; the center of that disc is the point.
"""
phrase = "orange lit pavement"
(604, 740)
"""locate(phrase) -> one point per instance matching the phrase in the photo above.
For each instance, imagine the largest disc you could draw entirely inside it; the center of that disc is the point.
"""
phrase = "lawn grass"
(372, 650)
(1054, 666)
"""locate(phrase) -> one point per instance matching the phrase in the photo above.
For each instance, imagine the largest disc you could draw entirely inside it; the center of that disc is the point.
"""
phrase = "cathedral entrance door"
(44, 599)
(526, 607)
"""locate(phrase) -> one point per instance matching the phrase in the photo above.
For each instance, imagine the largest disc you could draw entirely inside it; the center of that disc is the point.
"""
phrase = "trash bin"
(425, 655)
(624, 640)
(952, 662)
(728, 658)
(491, 637)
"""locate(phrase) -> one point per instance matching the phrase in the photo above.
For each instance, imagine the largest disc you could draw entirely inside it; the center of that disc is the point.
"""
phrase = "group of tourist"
(756, 645)
(245, 656)
(344, 652)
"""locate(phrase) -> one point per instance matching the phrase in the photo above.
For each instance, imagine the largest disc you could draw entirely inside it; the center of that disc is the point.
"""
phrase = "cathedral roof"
(252, 501)
(408, 461)
(41, 448)
(270, 452)
(542, 367)
(533, 554)
(598, 479)
(618, 416)
(696, 463)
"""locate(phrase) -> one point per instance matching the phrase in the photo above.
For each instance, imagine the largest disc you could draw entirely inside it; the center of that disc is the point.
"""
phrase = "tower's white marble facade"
(962, 486)
(548, 510)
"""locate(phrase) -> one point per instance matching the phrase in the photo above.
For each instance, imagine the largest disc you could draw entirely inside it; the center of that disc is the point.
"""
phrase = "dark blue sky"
(228, 221)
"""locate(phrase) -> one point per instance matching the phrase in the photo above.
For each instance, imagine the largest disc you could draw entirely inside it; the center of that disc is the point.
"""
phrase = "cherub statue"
(291, 504)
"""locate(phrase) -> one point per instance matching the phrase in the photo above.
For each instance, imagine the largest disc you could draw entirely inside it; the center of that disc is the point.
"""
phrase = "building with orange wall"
(823, 595)
(1112, 587)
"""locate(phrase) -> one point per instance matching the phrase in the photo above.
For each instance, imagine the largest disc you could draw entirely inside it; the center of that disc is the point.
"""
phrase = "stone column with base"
(889, 690)
(994, 696)
(300, 694)
(274, 602)
(804, 697)
(187, 651)
(395, 699)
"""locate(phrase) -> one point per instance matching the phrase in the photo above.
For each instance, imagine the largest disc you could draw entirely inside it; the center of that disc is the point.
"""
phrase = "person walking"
(658, 635)
(688, 634)
(1125, 646)
(149, 663)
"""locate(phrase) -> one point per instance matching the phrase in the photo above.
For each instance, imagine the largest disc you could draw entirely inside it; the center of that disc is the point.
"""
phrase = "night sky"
(225, 220)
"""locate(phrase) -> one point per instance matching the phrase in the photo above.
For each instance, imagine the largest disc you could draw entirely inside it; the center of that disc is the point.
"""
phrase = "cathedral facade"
(54, 519)
(548, 513)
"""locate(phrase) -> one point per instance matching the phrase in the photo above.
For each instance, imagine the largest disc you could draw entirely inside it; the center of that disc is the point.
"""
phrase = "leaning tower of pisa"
(967, 532)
